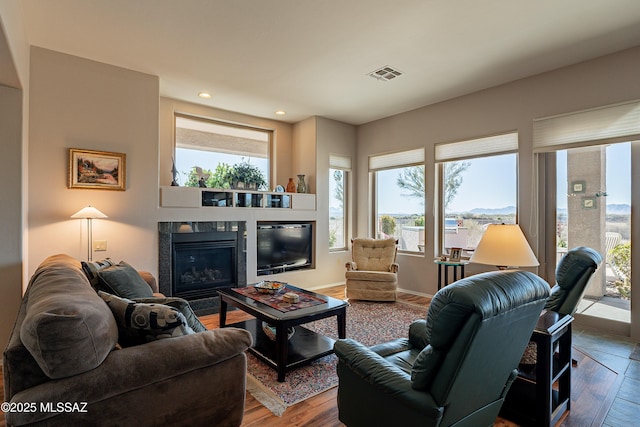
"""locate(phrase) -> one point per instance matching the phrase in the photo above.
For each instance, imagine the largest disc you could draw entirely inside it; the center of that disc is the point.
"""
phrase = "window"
(221, 155)
(592, 151)
(339, 167)
(479, 187)
(398, 180)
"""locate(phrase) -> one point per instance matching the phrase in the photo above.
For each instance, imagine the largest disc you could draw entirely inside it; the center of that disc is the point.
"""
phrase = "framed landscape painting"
(100, 170)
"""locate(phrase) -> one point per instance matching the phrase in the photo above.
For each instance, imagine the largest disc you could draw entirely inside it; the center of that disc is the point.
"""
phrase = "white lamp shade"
(504, 245)
(89, 213)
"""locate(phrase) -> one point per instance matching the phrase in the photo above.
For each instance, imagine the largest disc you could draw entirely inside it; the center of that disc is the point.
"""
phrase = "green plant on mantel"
(246, 176)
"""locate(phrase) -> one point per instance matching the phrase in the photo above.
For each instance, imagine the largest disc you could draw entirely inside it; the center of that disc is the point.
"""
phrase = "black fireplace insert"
(203, 263)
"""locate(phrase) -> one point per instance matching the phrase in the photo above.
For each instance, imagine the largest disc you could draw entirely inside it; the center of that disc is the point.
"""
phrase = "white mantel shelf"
(196, 197)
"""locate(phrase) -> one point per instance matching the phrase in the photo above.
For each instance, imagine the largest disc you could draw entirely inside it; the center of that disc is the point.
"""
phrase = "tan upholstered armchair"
(373, 273)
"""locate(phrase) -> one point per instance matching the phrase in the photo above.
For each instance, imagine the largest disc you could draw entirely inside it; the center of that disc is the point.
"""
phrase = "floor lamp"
(504, 245)
(89, 213)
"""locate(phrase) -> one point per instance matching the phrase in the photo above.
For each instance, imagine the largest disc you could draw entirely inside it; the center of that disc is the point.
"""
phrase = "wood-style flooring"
(593, 389)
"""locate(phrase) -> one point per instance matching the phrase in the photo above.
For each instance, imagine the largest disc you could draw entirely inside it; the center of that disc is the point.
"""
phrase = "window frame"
(474, 148)
(389, 161)
(345, 208)
(219, 122)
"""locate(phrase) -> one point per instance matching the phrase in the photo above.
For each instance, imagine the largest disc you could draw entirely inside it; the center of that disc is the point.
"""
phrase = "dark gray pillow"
(124, 281)
(91, 269)
(139, 322)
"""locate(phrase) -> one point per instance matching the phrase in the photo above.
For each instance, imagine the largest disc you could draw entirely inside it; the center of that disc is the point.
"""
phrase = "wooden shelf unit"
(195, 197)
(541, 396)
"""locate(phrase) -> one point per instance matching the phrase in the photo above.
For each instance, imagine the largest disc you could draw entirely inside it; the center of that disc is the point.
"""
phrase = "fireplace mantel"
(208, 198)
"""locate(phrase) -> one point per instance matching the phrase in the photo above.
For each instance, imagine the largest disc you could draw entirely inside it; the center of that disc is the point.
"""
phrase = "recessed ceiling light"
(205, 95)
(281, 113)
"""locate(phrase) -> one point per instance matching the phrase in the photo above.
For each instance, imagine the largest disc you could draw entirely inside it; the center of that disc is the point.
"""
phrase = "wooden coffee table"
(304, 346)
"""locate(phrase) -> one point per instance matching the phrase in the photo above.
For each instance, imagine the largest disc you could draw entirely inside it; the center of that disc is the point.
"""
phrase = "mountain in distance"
(507, 210)
(619, 209)
(612, 209)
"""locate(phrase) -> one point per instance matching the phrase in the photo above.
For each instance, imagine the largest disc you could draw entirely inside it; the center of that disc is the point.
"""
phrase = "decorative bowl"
(270, 287)
(270, 331)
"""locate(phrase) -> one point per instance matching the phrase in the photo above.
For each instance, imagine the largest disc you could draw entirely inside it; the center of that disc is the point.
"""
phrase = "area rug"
(367, 322)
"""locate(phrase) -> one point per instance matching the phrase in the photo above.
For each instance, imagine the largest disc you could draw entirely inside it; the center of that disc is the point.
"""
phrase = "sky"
(488, 182)
(618, 170)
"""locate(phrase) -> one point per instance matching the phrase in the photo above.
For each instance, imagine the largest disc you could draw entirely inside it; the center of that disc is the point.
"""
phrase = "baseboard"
(420, 294)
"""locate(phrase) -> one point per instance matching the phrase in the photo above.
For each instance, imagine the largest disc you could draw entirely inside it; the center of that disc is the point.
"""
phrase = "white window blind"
(398, 159)
(595, 126)
(339, 162)
(478, 147)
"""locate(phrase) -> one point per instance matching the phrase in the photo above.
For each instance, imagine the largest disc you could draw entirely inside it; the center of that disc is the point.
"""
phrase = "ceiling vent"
(385, 73)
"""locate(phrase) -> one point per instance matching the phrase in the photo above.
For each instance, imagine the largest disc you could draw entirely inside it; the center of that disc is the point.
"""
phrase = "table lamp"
(89, 213)
(504, 245)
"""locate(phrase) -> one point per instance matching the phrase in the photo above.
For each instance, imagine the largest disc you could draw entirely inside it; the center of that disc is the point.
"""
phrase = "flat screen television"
(284, 246)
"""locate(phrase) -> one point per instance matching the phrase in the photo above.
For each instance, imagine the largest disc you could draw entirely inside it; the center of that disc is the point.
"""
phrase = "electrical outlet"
(99, 245)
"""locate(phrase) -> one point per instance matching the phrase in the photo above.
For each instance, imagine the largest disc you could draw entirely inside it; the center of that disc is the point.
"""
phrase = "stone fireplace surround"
(166, 232)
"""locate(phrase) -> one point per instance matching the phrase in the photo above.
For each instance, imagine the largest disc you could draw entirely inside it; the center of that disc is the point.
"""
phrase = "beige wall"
(14, 77)
(11, 208)
(607, 80)
(333, 138)
(77, 103)
(296, 149)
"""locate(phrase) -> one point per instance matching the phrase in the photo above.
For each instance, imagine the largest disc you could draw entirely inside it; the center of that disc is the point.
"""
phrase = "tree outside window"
(337, 211)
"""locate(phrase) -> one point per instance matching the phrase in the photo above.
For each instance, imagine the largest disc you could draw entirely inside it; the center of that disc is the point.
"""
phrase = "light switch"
(99, 245)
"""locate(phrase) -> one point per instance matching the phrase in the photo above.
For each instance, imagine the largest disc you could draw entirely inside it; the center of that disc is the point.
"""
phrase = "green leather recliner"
(572, 275)
(455, 367)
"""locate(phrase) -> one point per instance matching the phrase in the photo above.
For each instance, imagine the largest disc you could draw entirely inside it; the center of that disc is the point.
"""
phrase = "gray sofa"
(63, 366)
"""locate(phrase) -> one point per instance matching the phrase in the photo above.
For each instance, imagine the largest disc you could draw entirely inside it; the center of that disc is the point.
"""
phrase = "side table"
(541, 396)
(456, 266)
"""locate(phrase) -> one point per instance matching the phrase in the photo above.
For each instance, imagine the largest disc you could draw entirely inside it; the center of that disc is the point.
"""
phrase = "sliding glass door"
(593, 208)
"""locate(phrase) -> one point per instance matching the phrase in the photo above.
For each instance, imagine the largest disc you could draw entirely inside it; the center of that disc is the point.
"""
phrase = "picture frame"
(97, 170)
(455, 254)
(588, 203)
(578, 187)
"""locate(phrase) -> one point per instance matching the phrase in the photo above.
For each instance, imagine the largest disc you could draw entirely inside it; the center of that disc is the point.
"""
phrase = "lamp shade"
(504, 245)
(89, 213)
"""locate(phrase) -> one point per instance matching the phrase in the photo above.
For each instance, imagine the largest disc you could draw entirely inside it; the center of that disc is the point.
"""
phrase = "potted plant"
(246, 176)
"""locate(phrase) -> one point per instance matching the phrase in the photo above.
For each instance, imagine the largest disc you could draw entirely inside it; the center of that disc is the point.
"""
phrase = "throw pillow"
(91, 269)
(124, 281)
(139, 322)
(182, 305)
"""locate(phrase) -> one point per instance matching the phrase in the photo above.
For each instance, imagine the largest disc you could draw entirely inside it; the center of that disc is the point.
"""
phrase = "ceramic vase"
(302, 186)
(291, 186)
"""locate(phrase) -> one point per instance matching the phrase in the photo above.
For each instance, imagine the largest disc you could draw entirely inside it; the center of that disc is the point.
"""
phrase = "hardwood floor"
(318, 411)
(593, 384)
(594, 389)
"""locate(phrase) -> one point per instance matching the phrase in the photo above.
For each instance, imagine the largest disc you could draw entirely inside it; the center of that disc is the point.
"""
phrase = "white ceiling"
(311, 57)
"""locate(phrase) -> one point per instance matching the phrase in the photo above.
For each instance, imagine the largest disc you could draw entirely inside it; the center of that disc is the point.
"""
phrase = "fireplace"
(197, 258)
(202, 263)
